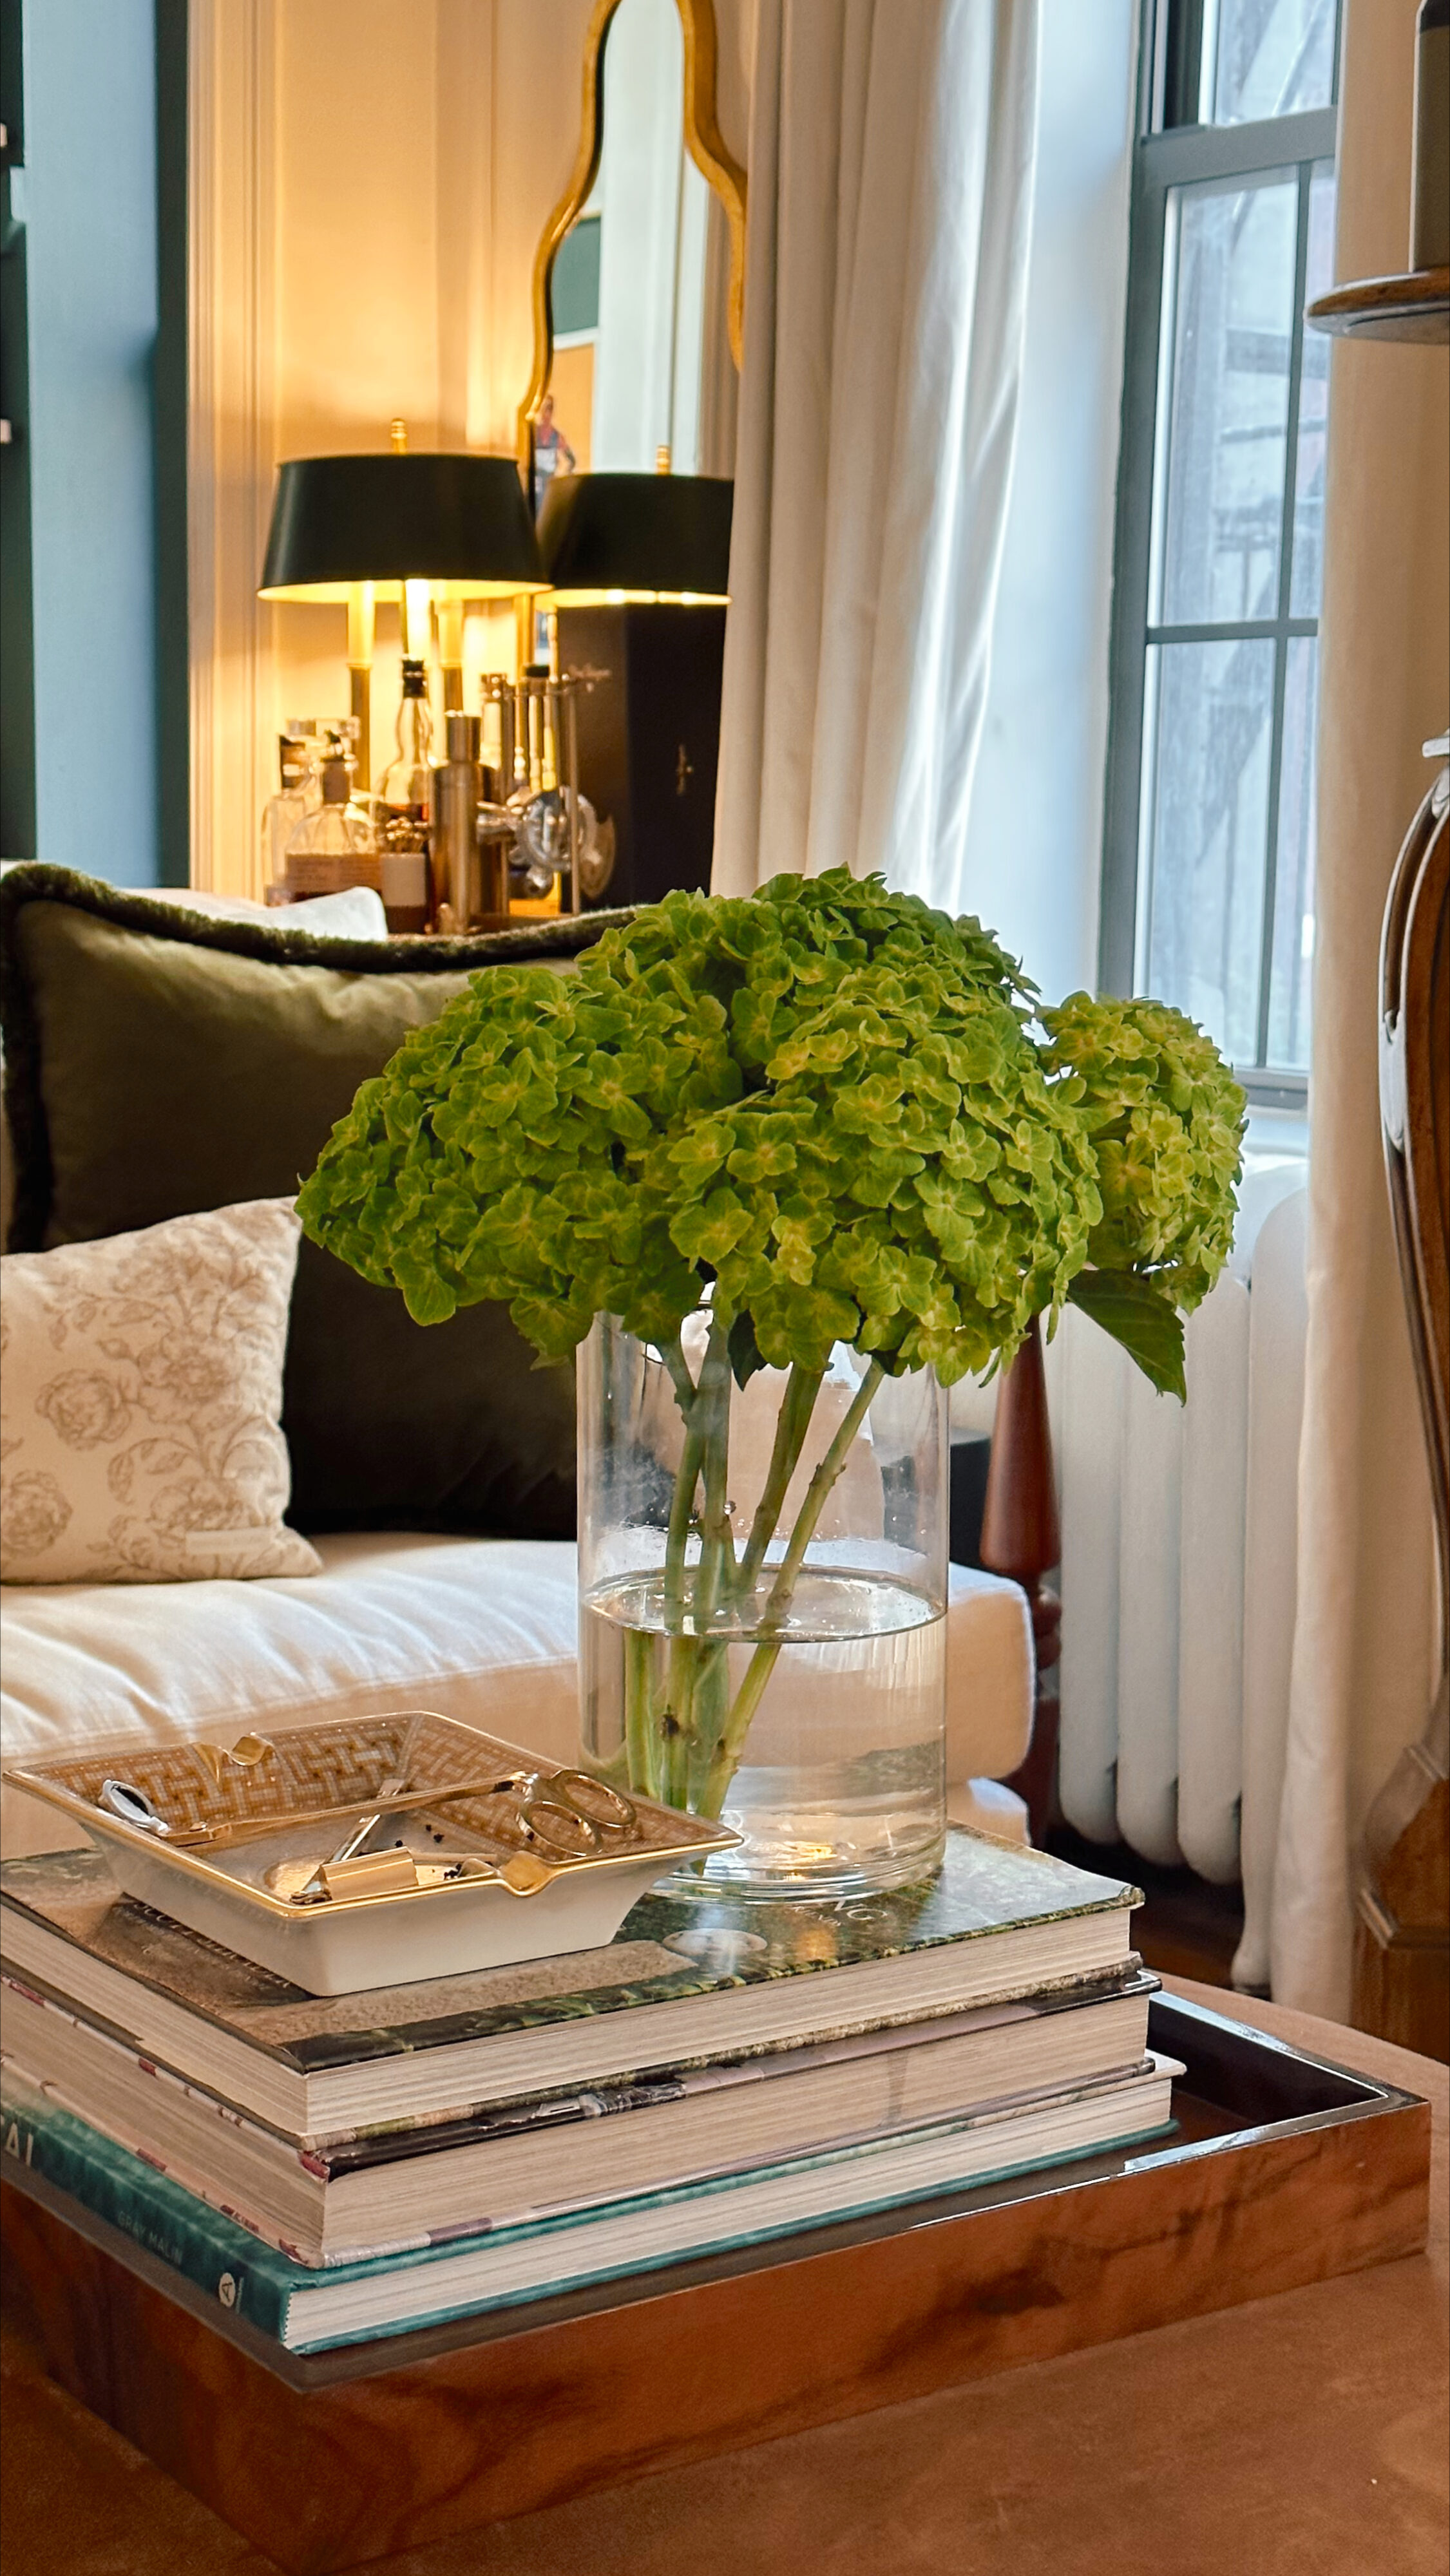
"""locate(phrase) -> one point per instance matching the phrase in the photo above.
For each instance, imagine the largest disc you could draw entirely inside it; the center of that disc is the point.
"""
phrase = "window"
(574, 287)
(1208, 870)
(93, 386)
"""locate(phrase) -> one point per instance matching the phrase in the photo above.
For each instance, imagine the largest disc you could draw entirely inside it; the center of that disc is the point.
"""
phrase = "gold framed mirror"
(662, 51)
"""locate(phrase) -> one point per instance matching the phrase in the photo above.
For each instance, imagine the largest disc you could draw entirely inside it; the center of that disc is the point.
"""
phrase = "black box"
(649, 739)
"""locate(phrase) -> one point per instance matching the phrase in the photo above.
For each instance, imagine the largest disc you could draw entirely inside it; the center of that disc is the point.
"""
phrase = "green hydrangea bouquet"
(830, 1116)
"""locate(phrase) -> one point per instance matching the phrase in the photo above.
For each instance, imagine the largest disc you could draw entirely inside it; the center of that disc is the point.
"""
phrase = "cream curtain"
(891, 159)
(1364, 1647)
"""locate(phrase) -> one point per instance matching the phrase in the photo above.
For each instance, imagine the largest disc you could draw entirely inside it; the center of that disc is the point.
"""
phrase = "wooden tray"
(1287, 2169)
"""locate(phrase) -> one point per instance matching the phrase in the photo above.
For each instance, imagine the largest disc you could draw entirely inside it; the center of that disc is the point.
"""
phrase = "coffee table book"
(339, 2200)
(682, 1981)
(517, 2258)
(1287, 2169)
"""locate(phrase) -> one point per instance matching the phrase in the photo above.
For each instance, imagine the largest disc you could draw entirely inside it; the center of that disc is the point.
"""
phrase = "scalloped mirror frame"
(707, 149)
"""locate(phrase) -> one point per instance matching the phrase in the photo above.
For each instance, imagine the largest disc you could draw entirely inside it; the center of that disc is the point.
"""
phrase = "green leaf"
(1137, 1315)
(428, 1298)
(744, 1350)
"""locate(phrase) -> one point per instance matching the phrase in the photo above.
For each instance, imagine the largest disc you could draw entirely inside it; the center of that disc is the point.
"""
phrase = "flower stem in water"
(792, 1424)
(762, 1663)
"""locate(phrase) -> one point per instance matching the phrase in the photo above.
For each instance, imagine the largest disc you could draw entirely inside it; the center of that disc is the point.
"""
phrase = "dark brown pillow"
(159, 1061)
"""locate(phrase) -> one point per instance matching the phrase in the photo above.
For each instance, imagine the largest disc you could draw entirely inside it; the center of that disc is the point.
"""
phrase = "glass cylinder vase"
(762, 1577)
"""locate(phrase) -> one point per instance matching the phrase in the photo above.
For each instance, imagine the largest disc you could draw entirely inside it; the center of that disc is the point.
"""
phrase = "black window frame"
(1169, 154)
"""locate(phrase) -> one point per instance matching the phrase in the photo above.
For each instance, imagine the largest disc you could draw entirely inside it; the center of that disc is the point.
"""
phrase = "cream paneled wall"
(370, 178)
(356, 212)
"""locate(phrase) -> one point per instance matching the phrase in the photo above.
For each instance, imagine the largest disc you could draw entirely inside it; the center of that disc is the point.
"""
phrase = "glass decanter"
(335, 846)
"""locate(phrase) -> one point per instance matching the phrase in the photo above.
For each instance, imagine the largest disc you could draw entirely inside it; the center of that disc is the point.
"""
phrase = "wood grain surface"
(1021, 1539)
(1402, 1868)
(1414, 306)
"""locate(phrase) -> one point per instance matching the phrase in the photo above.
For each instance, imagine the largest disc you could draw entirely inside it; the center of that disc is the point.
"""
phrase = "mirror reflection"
(639, 289)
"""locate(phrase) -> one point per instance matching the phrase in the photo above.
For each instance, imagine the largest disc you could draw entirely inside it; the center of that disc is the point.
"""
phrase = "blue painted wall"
(91, 267)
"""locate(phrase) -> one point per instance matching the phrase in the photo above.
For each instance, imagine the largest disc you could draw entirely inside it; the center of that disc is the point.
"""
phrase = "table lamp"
(405, 527)
(661, 539)
(639, 573)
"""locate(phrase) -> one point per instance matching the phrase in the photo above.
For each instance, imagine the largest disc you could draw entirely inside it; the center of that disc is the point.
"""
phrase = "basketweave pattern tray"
(343, 1765)
(503, 1864)
(209, 1787)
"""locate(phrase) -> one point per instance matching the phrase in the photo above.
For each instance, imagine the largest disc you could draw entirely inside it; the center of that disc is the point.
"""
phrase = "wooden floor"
(1186, 1927)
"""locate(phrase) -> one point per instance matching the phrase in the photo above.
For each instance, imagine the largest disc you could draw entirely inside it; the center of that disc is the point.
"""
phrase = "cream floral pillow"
(140, 1403)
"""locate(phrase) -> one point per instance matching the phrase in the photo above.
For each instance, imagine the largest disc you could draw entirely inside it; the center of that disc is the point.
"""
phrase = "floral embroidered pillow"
(140, 1404)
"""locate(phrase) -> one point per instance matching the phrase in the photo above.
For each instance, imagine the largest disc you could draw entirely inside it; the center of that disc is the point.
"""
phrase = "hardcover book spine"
(240, 2273)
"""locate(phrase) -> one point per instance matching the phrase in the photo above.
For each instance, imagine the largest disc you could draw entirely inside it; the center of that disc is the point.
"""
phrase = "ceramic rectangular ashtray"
(373, 1851)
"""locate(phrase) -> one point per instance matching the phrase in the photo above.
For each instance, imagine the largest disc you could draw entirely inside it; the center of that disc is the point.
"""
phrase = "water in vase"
(838, 1784)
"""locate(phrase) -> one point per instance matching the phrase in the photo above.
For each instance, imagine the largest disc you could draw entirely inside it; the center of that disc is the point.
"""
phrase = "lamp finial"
(398, 433)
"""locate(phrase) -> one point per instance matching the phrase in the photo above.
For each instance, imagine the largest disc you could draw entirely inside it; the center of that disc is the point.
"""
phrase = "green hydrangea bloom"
(824, 1098)
(1167, 1122)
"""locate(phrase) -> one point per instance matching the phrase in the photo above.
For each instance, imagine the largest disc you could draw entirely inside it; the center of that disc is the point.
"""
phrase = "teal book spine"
(236, 2269)
(206, 2246)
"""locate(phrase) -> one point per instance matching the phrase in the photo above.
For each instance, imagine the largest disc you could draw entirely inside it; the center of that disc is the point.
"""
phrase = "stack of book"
(723, 2074)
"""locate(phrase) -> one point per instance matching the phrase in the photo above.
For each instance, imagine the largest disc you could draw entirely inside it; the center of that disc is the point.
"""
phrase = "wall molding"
(232, 140)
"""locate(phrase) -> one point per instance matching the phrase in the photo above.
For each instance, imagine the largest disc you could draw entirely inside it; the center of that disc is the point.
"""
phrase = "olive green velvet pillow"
(159, 1061)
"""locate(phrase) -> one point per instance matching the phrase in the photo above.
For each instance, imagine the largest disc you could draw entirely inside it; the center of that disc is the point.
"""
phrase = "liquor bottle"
(298, 750)
(405, 799)
(334, 846)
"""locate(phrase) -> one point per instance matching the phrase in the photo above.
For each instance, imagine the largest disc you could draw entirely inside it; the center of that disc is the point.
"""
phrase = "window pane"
(1307, 577)
(574, 289)
(1272, 58)
(1208, 741)
(1291, 967)
(1228, 344)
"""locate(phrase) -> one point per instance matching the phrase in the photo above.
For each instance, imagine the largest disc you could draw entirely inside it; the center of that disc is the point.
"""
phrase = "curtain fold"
(1364, 1642)
(891, 165)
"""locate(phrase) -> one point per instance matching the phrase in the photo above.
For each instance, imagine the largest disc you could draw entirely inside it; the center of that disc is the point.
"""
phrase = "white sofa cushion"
(989, 1807)
(479, 1629)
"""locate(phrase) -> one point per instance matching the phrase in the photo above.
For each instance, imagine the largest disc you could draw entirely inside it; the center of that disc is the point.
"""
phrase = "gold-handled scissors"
(570, 1812)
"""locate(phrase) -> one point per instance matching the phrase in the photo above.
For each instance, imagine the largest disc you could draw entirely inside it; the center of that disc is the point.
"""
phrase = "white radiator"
(1178, 1568)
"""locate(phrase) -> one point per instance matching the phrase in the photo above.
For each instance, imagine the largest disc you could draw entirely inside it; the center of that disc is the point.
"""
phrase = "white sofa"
(479, 1629)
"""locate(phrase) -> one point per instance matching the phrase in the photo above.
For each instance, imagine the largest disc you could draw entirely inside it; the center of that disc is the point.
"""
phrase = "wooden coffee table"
(1296, 2432)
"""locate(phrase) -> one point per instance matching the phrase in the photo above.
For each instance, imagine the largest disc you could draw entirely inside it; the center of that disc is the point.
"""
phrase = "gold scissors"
(570, 1812)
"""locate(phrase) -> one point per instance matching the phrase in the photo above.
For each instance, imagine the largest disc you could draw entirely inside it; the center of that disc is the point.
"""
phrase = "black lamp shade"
(607, 537)
(459, 520)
